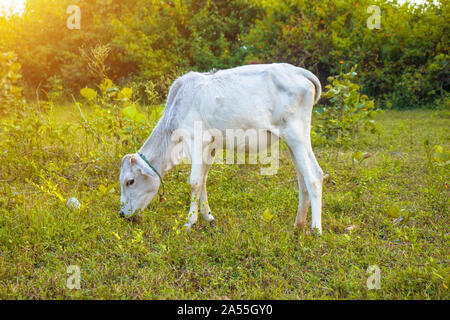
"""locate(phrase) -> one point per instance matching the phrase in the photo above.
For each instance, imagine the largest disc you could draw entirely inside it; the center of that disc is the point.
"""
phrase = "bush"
(347, 114)
(403, 64)
(10, 91)
(116, 115)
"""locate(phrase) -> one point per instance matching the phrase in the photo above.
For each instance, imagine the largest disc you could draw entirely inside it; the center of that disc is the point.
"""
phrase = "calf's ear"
(142, 167)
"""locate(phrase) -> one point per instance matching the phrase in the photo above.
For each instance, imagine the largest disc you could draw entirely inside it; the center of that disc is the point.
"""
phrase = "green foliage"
(116, 114)
(436, 156)
(403, 64)
(88, 93)
(164, 40)
(267, 216)
(55, 89)
(347, 114)
(10, 90)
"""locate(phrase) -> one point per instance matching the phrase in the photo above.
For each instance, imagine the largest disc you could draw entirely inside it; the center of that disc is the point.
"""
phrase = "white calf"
(277, 98)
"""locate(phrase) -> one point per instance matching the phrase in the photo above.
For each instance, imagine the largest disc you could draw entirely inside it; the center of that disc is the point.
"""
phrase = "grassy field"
(391, 210)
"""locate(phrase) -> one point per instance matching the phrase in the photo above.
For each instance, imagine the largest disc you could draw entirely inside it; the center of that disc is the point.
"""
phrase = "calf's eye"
(130, 182)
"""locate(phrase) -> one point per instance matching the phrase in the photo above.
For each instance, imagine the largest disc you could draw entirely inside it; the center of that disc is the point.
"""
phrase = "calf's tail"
(311, 77)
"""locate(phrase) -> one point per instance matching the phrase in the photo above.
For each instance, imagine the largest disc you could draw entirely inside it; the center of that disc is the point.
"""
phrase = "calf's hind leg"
(205, 210)
(309, 168)
(303, 203)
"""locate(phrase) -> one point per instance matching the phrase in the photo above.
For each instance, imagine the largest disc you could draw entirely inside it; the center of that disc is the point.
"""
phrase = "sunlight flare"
(11, 6)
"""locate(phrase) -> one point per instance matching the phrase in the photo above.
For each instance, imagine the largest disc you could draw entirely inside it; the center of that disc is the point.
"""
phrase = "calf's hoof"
(299, 225)
(316, 231)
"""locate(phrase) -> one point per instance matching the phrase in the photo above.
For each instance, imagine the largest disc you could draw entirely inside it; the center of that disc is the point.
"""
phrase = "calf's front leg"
(196, 182)
(199, 173)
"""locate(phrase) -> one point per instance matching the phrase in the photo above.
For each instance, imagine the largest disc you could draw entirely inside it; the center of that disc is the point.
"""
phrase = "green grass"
(242, 256)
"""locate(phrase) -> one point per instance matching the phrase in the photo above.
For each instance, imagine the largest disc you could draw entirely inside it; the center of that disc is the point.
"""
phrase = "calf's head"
(138, 185)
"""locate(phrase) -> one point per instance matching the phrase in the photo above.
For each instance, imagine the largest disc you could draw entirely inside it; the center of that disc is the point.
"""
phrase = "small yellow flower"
(116, 235)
